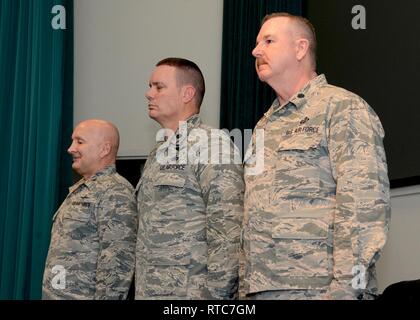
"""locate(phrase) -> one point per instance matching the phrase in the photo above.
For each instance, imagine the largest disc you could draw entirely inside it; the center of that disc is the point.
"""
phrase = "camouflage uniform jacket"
(93, 240)
(190, 218)
(318, 212)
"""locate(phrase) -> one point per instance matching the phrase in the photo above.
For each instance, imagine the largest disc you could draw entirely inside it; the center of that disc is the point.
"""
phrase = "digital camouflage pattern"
(190, 218)
(319, 211)
(93, 238)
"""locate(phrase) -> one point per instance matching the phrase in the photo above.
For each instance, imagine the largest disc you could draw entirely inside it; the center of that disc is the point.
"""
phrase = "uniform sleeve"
(362, 210)
(117, 228)
(222, 186)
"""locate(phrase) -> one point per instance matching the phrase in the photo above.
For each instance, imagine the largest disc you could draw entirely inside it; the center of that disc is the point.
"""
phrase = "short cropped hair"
(188, 73)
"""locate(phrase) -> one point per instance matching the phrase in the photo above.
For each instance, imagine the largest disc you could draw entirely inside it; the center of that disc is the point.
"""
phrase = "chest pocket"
(169, 197)
(77, 224)
(81, 214)
(168, 184)
(298, 167)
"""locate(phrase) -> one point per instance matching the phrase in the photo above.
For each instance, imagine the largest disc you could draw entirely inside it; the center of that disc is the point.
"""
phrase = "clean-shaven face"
(85, 149)
(164, 96)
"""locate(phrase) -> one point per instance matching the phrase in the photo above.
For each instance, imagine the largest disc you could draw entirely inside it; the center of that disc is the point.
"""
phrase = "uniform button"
(301, 95)
(360, 297)
(178, 136)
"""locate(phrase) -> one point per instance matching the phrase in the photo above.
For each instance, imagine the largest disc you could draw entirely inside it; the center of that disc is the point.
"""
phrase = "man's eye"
(268, 41)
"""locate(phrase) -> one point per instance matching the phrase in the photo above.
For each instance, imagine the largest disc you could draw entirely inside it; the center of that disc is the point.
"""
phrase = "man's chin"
(262, 75)
(152, 114)
(75, 166)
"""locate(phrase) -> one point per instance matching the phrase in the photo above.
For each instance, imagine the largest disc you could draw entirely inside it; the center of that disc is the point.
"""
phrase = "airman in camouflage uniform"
(92, 249)
(316, 217)
(190, 212)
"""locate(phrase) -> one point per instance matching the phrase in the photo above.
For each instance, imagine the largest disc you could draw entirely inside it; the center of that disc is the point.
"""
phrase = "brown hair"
(189, 73)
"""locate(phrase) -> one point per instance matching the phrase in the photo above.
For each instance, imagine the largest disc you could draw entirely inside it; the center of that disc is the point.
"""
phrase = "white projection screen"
(117, 44)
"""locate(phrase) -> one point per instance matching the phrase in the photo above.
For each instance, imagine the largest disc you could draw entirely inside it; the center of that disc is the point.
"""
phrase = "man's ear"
(106, 149)
(302, 48)
(188, 93)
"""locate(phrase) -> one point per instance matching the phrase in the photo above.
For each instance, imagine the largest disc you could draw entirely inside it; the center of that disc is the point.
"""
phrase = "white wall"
(401, 257)
(118, 43)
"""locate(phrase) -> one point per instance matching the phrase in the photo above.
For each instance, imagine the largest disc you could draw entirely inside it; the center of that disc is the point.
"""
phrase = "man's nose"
(71, 149)
(257, 51)
(148, 94)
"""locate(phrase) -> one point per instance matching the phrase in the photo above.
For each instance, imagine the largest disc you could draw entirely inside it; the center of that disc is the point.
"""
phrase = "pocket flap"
(170, 179)
(178, 255)
(300, 228)
(81, 211)
(300, 142)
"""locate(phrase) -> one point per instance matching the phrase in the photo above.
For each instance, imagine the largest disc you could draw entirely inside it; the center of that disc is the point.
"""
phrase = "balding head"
(94, 146)
(106, 131)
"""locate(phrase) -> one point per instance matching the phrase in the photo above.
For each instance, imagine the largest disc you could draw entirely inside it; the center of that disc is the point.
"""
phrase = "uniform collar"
(300, 98)
(88, 183)
(193, 121)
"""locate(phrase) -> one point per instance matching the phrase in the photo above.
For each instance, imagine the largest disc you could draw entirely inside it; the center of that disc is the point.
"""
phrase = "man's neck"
(99, 169)
(173, 125)
(285, 90)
